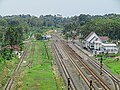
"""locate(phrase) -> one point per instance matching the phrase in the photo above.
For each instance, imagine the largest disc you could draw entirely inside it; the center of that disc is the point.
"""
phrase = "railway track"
(73, 57)
(77, 61)
(70, 82)
(97, 65)
(11, 79)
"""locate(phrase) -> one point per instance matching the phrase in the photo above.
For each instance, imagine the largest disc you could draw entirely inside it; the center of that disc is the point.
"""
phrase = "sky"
(63, 7)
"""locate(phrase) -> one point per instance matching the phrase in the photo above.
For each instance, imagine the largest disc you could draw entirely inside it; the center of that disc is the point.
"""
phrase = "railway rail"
(97, 65)
(75, 58)
(70, 82)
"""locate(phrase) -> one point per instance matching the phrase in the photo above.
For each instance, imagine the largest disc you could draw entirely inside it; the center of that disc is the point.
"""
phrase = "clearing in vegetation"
(36, 73)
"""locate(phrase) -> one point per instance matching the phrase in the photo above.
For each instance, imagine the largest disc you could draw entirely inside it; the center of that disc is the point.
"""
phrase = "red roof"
(16, 48)
(104, 38)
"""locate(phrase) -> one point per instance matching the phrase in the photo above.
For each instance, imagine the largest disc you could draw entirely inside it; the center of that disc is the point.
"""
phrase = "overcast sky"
(64, 7)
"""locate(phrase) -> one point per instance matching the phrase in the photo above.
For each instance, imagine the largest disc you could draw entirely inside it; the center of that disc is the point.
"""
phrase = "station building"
(98, 44)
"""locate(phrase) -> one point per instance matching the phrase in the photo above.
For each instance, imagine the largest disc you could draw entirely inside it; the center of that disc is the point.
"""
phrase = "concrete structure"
(99, 44)
(91, 41)
(109, 48)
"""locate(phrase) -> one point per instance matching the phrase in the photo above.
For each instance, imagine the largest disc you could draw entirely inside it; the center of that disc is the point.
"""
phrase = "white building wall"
(110, 48)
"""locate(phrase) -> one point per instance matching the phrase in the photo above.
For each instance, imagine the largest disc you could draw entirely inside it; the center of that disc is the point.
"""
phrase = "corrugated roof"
(89, 35)
(104, 38)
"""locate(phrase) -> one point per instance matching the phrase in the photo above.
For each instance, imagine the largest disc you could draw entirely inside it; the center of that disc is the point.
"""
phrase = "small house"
(48, 36)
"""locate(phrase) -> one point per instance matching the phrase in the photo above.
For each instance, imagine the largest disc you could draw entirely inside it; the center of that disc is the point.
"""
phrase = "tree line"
(103, 25)
(17, 28)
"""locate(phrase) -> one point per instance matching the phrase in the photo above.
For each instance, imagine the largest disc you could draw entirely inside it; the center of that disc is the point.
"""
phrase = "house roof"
(104, 38)
(89, 35)
(92, 37)
(16, 48)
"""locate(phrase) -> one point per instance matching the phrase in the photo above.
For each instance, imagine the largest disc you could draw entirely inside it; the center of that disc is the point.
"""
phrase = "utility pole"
(101, 65)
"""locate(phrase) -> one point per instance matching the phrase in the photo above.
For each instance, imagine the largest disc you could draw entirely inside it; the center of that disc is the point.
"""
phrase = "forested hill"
(103, 25)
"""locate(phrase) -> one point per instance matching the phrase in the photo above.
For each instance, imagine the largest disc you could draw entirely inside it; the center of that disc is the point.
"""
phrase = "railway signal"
(90, 84)
(68, 83)
(101, 65)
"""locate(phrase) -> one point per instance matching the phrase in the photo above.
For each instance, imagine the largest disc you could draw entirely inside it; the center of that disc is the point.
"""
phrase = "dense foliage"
(106, 25)
(16, 28)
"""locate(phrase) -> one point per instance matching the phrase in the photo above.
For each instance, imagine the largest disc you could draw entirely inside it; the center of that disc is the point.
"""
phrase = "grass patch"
(111, 62)
(39, 76)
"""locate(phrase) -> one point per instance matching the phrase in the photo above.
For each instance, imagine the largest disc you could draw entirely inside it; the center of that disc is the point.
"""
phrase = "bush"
(38, 36)
(6, 53)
